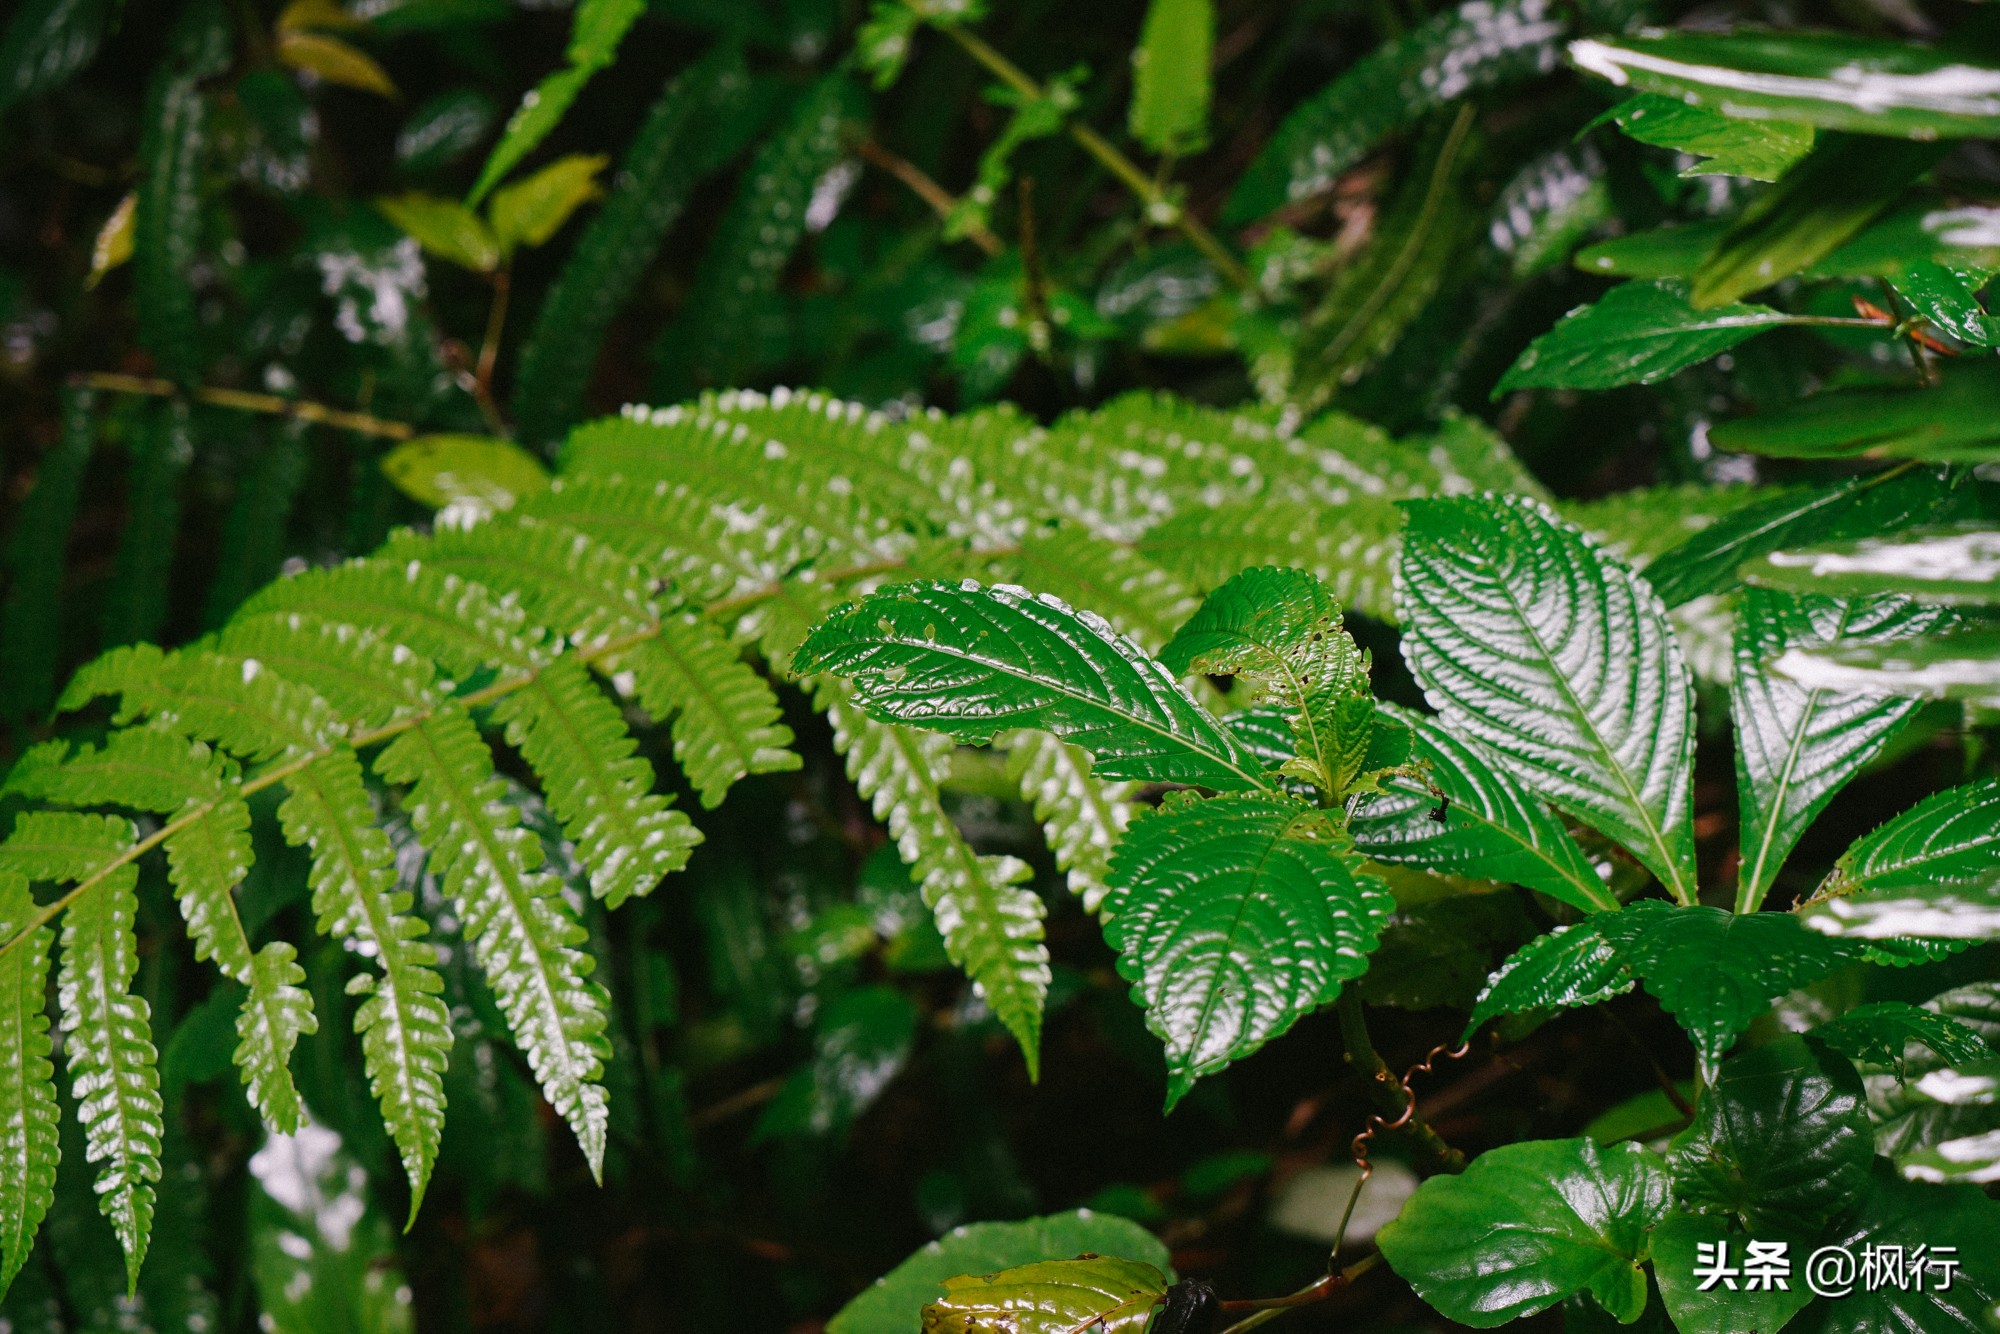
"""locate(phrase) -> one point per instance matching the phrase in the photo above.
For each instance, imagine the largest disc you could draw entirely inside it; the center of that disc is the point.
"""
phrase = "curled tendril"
(1378, 1123)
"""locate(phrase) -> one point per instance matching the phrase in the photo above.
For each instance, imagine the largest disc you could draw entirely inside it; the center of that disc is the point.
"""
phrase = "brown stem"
(1267, 1309)
(489, 351)
(273, 405)
(942, 201)
(1392, 1099)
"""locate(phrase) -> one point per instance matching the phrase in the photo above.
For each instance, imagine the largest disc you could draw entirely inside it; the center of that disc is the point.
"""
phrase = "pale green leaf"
(446, 228)
(1170, 79)
(1956, 564)
(531, 210)
(276, 1013)
(479, 471)
(28, 1110)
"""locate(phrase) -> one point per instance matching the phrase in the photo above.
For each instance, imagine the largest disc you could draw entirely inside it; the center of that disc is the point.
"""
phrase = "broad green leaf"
(1716, 971)
(1638, 333)
(531, 210)
(1932, 871)
(861, 1043)
(321, 1255)
(471, 470)
(1796, 745)
(1949, 299)
(1674, 251)
(1881, 1033)
(1170, 82)
(1956, 422)
(892, 1305)
(1093, 1292)
(1826, 199)
(1923, 1102)
(1459, 51)
(1570, 966)
(1280, 632)
(1233, 918)
(1963, 666)
(1760, 149)
(1558, 660)
(593, 44)
(1731, 1306)
(1780, 1141)
(1955, 1222)
(446, 228)
(1832, 80)
(1954, 564)
(1527, 1225)
(1485, 824)
(28, 1109)
(1709, 561)
(973, 662)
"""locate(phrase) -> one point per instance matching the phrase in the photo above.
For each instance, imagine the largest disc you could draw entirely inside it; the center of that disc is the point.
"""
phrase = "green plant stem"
(271, 405)
(1147, 191)
(1266, 1310)
(1387, 1092)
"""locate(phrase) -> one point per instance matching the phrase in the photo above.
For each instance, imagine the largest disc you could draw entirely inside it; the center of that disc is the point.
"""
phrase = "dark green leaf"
(1881, 1033)
(1528, 1225)
(1932, 871)
(1760, 149)
(975, 661)
(1955, 564)
(1949, 299)
(1640, 332)
(1665, 252)
(1234, 917)
(1729, 1306)
(47, 43)
(593, 44)
(862, 1041)
(32, 618)
(1953, 1222)
(321, 1255)
(1560, 661)
(1570, 966)
(1780, 1141)
(136, 604)
(1957, 422)
(166, 228)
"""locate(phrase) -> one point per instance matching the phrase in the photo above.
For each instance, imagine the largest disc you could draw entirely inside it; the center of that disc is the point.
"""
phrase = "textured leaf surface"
(1761, 149)
(1233, 918)
(1571, 965)
(28, 1110)
(1529, 1224)
(166, 228)
(1931, 871)
(892, 1305)
(725, 716)
(276, 1014)
(1638, 333)
(31, 618)
(1676, 1245)
(1952, 565)
(1051, 1297)
(1561, 662)
(1491, 827)
(1780, 1141)
(1796, 746)
(1880, 1034)
(1906, 1214)
(1082, 815)
(975, 661)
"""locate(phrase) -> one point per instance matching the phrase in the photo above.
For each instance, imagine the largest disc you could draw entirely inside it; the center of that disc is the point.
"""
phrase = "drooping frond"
(276, 1013)
(992, 925)
(524, 935)
(28, 1111)
(231, 702)
(1082, 815)
(725, 716)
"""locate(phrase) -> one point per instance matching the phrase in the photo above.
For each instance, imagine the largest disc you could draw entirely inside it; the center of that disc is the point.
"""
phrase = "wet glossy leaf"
(1050, 1297)
(1958, 564)
(1528, 1225)
(531, 210)
(1949, 299)
(333, 61)
(892, 1305)
(593, 44)
(1932, 871)
(1956, 666)
(1898, 1213)
(1798, 745)
(1826, 199)
(1233, 918)
(479, 471)
(1674, 251)
(1638, 333)
(1831, 80)
(1729, 1308)
(446, 228)
(1170, 83)
(975, 661)
(1570, 966)
(443, 129)
(1780, 1141)
(1560, 662)
(1957, 422)
(1484, 824)
(1733, 146)
(1880, 1033)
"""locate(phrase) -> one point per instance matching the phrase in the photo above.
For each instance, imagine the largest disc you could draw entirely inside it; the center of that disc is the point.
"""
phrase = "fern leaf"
(565, 579)
(368, 680)
(206, 859)
(135, 604)
(31, 620)
(63, 846)
(626, 835)
(276, 1013)
(232, 702)
(1351, 549)
(725, 716)
(404, 1028)
(697, 124)
(1143, 600)
(28, 1112)
(113, 1067)
(145, 768)
(526, 940)
(992, 926)
(1082, 815)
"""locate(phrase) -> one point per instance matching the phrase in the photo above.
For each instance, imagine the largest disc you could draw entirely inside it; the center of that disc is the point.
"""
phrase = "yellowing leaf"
(530, 211)
(334, 61)
(301, 15)
(1091, 1292)
(474, 470)
(114, 240)
(446, 228)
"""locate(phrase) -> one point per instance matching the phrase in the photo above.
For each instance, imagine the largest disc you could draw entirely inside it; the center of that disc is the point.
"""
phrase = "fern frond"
(404, 1028)
(725, 716)
(31, 619)
(29, 1147)
(276, 1013)
(626, 835)
(585, 591)
(63, 846)
(229, 701)
(113, 1068)
(1144, 601)
(144, 768)
(525, 937)
(1082, 815)
(992, 926)
(368, 680)
(207, 857)
(135, 603)
(1352, 549)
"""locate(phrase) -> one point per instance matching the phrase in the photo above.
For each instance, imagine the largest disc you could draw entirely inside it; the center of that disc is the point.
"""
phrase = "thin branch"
(1159, 207)
(270, 405)
(1389, 1094)
(489, 351)
(942, 201)
(1268, 1309)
